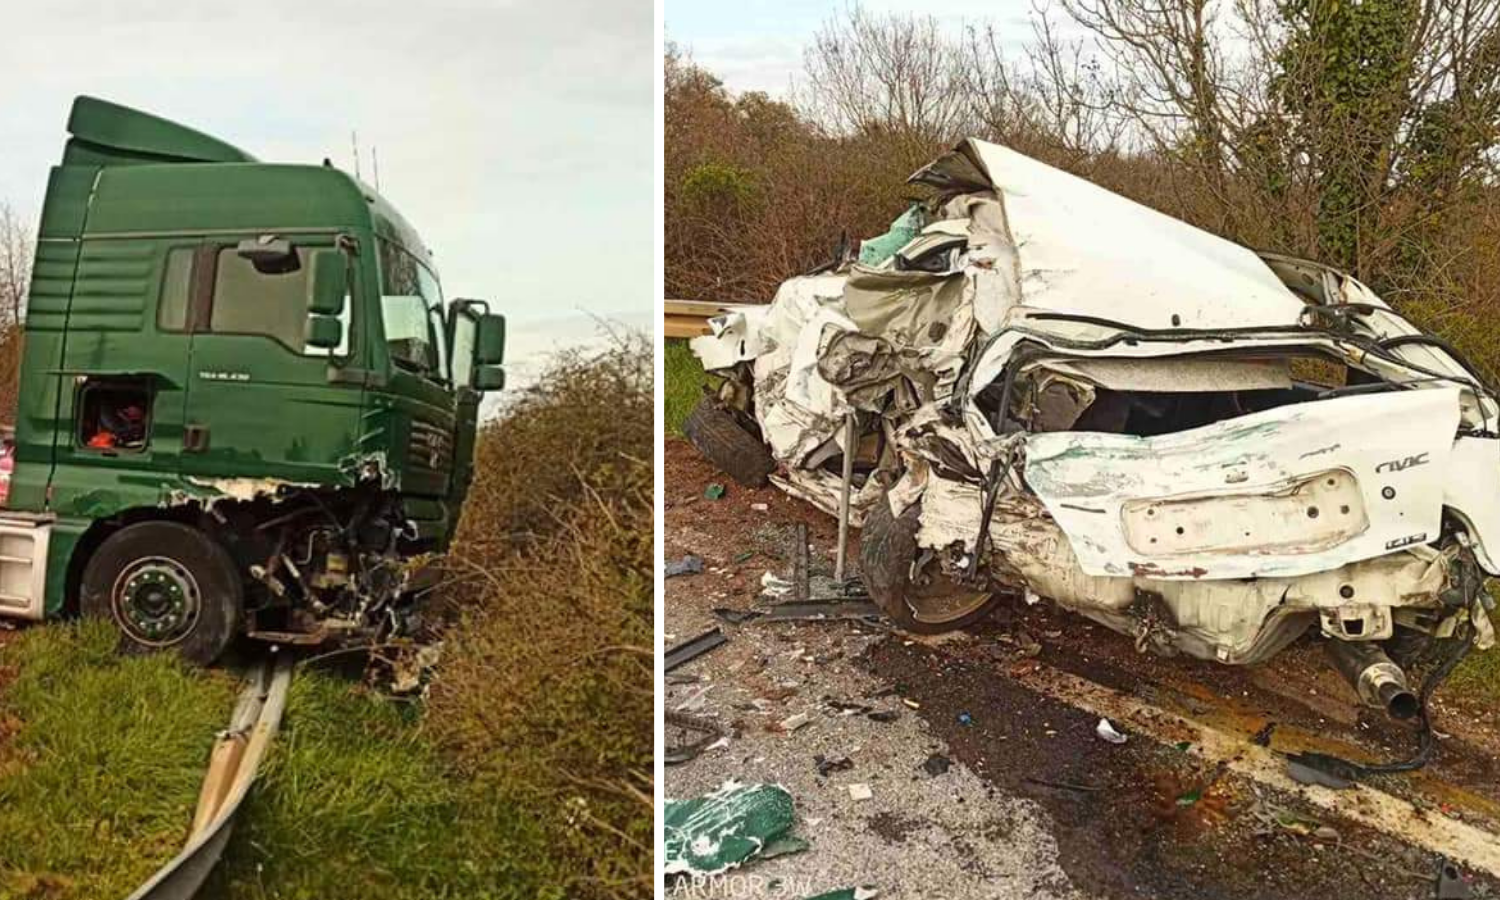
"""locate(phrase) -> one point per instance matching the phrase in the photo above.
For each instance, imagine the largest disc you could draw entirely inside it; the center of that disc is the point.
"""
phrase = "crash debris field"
(1032, 802)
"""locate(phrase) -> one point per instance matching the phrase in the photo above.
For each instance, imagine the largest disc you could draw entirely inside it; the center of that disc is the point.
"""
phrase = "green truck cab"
(245, 405)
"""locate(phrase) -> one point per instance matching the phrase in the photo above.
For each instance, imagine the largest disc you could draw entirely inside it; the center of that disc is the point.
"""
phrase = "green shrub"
(682, 386)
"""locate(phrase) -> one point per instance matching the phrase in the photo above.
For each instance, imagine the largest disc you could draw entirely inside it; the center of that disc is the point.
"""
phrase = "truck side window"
(176, 288)
(463, 351)
(114, 414)
(250, 301)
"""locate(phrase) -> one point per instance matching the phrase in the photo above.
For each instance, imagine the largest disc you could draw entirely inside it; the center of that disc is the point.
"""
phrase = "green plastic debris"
(854, 893)
(714, 491)
(726, 828)
(876, 250)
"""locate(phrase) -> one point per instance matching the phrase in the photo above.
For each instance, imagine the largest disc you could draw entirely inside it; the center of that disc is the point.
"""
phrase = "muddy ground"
(1031, 802)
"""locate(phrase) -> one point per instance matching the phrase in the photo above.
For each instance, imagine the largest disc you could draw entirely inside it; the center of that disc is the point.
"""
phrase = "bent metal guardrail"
(232, 766)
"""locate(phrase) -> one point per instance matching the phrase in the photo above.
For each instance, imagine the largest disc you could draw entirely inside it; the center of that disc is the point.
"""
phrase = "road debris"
(714, 491)
(828, 765)
(1319, 769)
(725, 828)
(1106, 731)
(773, 586)
(860, 791)
(792, 723)
(712, 732)
(691, 649)
(687, 565)
(1062, 785)
(822, 611)
(736, 616)
(936, 764)
(1450, 882)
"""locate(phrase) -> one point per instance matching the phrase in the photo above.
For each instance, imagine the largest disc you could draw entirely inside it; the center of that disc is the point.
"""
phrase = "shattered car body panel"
(1277, 493)
(1209, 449)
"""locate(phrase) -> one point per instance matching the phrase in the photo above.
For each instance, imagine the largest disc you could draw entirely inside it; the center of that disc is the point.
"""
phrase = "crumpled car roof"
(1081, 249)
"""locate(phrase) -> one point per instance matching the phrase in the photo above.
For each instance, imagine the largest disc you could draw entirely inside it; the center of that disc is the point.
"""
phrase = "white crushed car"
(1057, 391)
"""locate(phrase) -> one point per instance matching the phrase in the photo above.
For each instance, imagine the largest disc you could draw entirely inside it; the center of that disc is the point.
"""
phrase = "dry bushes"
(1150, 103)
(544, 696)
(10, 372)
(755, 194)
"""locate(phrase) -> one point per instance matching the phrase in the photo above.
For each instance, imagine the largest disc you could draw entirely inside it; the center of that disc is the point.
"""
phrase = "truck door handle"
(194, 438)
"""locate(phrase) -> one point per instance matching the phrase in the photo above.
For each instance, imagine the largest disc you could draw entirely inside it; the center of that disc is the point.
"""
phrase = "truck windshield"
(410, 302)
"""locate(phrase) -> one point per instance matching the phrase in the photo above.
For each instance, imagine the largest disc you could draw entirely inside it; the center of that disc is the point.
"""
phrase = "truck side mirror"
(324, 332)
(489, 378)
(489, 343)
(330, 283)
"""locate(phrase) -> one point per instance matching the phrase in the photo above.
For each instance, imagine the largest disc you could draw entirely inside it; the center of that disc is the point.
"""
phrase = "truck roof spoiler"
(106, 134)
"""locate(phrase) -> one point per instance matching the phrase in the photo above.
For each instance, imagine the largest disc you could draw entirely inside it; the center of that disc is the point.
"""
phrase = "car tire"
(726, 443)
(166, 587)
(887, 550)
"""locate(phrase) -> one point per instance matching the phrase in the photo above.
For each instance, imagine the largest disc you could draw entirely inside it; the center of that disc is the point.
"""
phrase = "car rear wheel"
(726, 443)
(925, 602)
(166, 587)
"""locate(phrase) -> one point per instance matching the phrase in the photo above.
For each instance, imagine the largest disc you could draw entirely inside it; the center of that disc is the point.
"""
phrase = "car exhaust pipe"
(1378, 681)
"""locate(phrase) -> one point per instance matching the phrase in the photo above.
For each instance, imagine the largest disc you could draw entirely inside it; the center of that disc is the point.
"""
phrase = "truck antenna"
(375, 158)
(354, 143)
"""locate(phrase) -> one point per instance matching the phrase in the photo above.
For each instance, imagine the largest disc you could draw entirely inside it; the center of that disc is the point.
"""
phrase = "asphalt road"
(990, 784)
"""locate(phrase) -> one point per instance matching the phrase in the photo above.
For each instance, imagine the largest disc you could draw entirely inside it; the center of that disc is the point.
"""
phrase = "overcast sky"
(516, 136)
(757, 45)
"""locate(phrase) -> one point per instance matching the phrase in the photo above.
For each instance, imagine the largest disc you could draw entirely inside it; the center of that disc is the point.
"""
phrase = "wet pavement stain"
(1143, 818)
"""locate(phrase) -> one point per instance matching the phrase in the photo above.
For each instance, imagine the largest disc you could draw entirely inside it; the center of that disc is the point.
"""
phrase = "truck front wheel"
(166, 586)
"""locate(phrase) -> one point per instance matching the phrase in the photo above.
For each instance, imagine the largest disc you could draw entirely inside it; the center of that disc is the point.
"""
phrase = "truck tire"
(165, 586)
(887, 550)
(727, 444)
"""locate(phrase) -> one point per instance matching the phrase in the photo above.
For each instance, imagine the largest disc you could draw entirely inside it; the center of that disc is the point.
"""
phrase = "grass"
(102, 755)
(101, 768)
(356, 802)
(683, 385)
(1478, 676)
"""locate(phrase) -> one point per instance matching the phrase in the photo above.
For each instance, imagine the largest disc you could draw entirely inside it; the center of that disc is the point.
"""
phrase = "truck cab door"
(475, 352)
(261, 406)
(120, 382)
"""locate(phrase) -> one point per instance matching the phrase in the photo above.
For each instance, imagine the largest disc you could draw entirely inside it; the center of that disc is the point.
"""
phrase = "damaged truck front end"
(1056, 392)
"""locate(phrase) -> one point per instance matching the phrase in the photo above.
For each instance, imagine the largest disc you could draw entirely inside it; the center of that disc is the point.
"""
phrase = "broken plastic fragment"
(1106, 730)
(725, 828)
(855, 893)
(688, 565)
(860, 791)
(772, 586)
(714, 491)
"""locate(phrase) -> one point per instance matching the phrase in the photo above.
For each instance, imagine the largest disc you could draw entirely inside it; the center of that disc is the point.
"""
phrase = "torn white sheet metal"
(1084, 249)
(1472, 492)
(736, 337)
(1237, 499)
(1234, 620)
